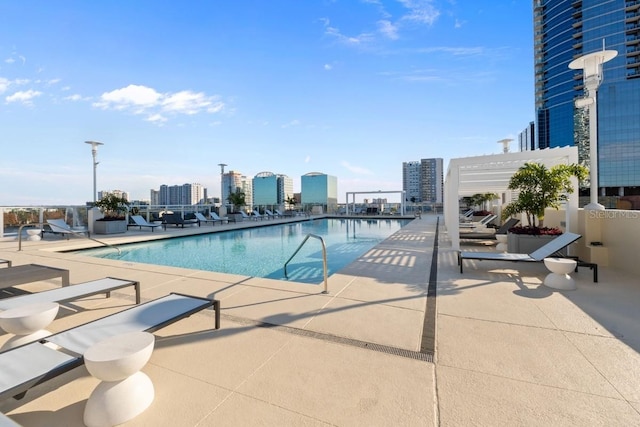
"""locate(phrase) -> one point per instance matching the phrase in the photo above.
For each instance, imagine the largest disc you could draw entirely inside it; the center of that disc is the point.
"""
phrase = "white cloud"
(356, 169)
(156, 118)
(307, 159)
(24, 97)
(4, 84)
(388, 29)
(295, 122)
(157, 106)
(348, 40)
(132, 95)
(328, 67)
(74, 97)
(421, 11)
(9, 60)
(186, 102)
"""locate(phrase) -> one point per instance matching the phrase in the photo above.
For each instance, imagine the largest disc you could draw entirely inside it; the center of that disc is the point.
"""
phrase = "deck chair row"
(31, 364)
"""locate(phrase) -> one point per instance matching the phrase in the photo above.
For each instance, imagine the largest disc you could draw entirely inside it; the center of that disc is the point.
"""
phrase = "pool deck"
(508, 351)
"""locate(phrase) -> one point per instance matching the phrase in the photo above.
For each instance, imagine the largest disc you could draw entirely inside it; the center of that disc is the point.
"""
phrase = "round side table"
(502, 242)
(559, 277)
(27, 322)
(34, 234)
(124, 392)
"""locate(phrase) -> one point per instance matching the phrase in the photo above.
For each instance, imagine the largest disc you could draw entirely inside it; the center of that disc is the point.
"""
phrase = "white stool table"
(502, 242)
(27, 322)
(34, 234)
(559, 277)
(124, 392)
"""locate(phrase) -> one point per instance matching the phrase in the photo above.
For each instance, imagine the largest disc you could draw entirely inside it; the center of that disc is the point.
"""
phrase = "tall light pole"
(505, 144)
(591, 64)
(94, 153)
(222, 165)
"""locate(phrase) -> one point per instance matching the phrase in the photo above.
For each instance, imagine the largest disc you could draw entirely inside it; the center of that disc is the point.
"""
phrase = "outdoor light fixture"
(222, 165)
(505, 144)
(591, 64)
(94, 153)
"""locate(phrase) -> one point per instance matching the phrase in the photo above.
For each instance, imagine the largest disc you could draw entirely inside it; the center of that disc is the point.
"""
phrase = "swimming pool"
(262, 251)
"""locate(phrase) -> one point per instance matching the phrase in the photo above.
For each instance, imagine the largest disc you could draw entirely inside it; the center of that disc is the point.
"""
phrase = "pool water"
(262, 251)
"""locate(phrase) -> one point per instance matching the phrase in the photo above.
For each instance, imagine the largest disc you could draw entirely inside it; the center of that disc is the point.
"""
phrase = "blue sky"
(351, 88)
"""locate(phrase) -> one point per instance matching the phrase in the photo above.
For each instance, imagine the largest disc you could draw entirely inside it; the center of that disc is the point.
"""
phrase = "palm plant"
(237, 199)
(540, 188)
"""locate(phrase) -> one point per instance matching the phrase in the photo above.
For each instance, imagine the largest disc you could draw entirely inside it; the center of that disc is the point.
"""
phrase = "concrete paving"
(508, 351)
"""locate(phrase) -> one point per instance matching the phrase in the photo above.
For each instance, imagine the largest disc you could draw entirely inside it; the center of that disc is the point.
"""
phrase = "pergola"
(353, 196)
(490, 174)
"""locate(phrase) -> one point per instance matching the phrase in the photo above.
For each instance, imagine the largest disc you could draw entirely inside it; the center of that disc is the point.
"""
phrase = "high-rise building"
(411, 181)
(118, 193)
(318, 189)
(270, 189)
(526, 138)
(185, 194)
(563, 31)
(233, 182)
(423, 181)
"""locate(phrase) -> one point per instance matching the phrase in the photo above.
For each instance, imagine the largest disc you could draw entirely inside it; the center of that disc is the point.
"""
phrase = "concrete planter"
(110, 227)
(525, 243)
(235, 217)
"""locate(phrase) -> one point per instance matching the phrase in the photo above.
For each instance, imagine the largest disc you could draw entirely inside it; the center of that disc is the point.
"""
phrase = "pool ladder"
(324, 258)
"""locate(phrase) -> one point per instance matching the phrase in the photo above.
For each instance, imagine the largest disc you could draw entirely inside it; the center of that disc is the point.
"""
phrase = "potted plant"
(237, 200)
(539, 188)
(114, 209)
(480, 201)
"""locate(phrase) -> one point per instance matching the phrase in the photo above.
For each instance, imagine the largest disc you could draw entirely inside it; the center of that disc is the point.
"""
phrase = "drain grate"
(426, 356)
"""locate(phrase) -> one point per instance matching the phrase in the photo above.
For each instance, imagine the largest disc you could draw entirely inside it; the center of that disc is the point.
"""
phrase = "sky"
(350, 88)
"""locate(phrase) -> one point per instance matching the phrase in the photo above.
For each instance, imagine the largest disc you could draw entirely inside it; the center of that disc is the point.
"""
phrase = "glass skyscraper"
(565, 30)
(319, 189)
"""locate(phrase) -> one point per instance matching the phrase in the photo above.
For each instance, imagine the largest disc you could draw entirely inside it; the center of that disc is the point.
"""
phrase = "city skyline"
(348, 88)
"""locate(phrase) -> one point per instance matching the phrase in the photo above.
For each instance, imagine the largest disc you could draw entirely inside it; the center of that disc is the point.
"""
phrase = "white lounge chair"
(204, 219)
(72, 292)
(27, 273)
(482, 223)
(216, 217)
(245, 216)
(257, 214)
(550, 249)
(271, 214)
(59, 226)
(140, 222)
(29, 365)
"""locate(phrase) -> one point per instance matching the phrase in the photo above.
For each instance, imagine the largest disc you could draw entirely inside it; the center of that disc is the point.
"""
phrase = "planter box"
(525, 244)
(109, 227)
(235, 217)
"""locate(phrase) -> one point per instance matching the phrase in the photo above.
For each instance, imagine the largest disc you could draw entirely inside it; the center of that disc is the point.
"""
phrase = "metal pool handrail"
(324, 258)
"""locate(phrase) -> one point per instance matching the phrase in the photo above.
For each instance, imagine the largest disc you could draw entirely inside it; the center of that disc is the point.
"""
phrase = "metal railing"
(81, 234)
(324, 259)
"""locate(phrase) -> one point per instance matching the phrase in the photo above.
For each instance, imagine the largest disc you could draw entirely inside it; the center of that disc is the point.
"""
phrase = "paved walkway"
(508, 350)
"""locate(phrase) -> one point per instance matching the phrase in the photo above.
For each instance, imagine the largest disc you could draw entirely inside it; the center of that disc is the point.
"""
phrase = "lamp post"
(505, 144)
(94, 153)
(591, 64)
(222, 165)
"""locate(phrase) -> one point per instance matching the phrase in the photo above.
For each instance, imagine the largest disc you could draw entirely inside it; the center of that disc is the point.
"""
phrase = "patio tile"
(468, 398)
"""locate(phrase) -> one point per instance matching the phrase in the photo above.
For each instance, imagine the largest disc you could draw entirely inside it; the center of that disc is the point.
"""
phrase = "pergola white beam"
(491, 174)
(353, 194)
